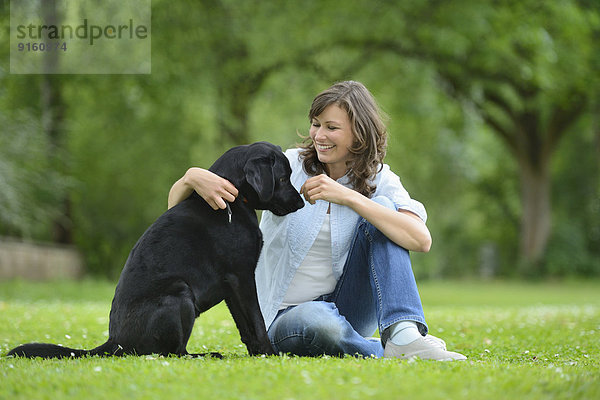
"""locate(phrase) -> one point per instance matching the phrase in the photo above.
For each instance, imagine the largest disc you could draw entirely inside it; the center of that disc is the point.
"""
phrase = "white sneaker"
(436, 341)
(425, 349)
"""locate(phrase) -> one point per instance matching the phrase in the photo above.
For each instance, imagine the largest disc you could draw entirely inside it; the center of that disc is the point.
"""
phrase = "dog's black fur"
(191, 259)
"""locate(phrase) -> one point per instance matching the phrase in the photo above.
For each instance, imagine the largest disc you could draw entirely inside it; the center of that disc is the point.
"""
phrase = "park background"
(494, 123)
(493, 108)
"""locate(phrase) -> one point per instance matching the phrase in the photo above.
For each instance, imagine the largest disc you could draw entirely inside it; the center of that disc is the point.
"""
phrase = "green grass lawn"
(524, 341)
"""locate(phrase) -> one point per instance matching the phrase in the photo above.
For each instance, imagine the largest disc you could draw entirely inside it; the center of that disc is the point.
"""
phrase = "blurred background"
(494, 123)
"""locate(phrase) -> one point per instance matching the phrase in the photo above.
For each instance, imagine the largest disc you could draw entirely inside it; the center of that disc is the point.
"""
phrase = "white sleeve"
(389, 185)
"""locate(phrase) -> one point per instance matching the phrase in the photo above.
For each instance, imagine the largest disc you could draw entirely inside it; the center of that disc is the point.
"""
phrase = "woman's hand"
(402, 227)
(322, 187)
(210, 186)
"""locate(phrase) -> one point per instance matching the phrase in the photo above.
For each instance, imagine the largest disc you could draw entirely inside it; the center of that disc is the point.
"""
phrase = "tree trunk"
(536, 217)
(53, 109)
(53, 117)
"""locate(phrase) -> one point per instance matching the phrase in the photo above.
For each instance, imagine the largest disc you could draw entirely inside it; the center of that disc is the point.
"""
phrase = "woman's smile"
(324, 147)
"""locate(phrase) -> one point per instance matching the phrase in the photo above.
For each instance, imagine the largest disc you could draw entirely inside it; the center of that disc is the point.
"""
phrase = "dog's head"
(267, 174)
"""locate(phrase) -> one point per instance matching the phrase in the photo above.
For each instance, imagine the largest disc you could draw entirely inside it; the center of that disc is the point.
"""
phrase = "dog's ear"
(259, 174)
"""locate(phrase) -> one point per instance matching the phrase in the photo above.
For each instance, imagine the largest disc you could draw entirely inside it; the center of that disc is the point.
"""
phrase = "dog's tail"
(46, 350)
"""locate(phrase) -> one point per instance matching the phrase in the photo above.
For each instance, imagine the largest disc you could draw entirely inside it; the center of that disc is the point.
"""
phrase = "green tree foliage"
(487, 100)
(528, 69)
(28, 177)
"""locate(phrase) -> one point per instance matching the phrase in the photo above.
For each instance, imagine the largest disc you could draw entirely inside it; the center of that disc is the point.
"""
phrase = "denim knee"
(365, 225)
(324, 327)
(374, 235)
(310, 329)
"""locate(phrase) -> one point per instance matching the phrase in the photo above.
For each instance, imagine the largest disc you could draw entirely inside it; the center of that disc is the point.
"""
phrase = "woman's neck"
(334, 173)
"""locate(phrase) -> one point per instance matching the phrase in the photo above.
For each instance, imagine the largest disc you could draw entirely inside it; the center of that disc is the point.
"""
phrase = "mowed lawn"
(523, 341)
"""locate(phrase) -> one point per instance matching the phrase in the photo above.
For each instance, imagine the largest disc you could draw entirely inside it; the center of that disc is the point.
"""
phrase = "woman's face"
(331, 132)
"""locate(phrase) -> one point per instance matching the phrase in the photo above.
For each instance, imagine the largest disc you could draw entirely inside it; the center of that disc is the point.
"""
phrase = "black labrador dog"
(190, 259)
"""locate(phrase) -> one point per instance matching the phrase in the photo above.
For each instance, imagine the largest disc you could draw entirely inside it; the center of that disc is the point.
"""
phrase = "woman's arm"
(402, 227)
(210, 186)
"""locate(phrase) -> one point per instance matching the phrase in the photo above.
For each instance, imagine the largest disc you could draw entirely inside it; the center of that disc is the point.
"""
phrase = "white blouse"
(314, 277)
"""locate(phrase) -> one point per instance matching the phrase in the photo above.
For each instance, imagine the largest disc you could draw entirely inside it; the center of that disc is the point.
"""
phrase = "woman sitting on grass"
(335, 271)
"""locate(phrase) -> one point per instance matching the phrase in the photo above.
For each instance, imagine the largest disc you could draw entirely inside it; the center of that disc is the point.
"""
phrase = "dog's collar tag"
(228, 211)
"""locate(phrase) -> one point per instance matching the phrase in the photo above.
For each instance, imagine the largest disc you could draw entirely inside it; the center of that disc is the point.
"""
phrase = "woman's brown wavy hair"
(370, 134)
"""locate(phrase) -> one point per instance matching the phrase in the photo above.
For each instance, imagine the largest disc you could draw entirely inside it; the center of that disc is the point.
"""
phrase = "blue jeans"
(376, 290)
